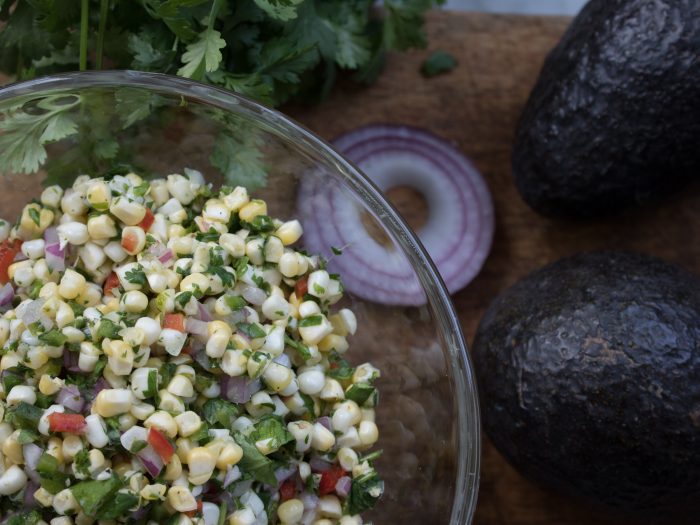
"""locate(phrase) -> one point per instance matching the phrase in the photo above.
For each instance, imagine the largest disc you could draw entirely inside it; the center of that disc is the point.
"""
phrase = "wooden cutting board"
(477, 106)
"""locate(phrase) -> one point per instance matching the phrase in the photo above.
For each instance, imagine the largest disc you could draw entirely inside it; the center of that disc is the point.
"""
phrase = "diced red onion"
(204, 313)
(196, 327)
(308, 517)
(318, 464)
(457, 235)
(343, 486)
(239, 389)
(32, 474)
(31, 453)
(139, 514)
(30, 313)
(241, 488)
(326, 422)
(20, 257)
(254, 295)
(166, 257)
(29, 490)
(7, 293)
(151, 460)
(55, 255)
(70, 361)
(100, 385)
(309, 500)
(201, 357)
(233, 474)
(283, 359)
(69, 396)
(283, 474)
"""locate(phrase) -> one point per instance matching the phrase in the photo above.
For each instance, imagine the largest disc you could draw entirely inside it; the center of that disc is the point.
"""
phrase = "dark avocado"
(614, 118)
(589, 377)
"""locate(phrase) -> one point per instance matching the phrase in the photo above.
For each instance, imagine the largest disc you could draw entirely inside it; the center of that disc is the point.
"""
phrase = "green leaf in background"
(26, 129)
(202, 55)
(238, 156)
(438, 63)
(283, 10)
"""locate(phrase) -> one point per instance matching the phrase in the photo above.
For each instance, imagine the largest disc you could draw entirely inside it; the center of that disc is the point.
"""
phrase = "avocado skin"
(589, 378)
(614, 118)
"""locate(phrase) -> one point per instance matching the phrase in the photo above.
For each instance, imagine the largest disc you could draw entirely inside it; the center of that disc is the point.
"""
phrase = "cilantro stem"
(104, 7)
(83, 34)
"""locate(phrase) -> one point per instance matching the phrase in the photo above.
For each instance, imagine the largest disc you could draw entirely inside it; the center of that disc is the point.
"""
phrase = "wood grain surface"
(477, 106)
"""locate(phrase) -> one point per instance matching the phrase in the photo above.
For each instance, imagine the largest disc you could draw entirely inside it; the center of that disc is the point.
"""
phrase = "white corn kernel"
(33, 249)
(311, 381)
(277, 377)
(134, 302)
(322, 439)
(115, 252)
(163, 422)
(112, 402)
(290, 232)
(180, 386)
(233, 244)
(181, 188)
(21, 394)
(133, 240)
(92, 255)
(288, 265)
(329, 506)
(243, 516)
(201, 463)
(368, 433)
(101, 227)
(276, 308)
(291, 511)
(72, 284)
(347, 458)
(95, 431)
(251, 210)
(346, 415)
(12, 480)
(238, 198)
(181, 499)
(188, 423)
(129, 212)
(301, 431)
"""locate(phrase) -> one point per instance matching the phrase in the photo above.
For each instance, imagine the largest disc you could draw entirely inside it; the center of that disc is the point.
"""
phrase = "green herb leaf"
(300, 347)
(108, 330)
(94, 495)
(26, 518)
(365, 492)
(136, 276)
(51, 478)
(273, 428)
(259, 466)
(252, 330)
(53, 338)
(360, 393)
(24, 415)
(438, 63)
(312, 320)
(34, 216)
(27, 436)
(82, 462)
(118, 506)
(234, 302)
(220, 413)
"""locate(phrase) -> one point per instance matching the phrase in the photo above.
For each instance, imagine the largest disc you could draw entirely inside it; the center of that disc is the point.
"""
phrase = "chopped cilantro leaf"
(254, 463)
(220, 413)
(252, 330)
(108, 330)
(235, 302)
(300, 347)
(53, 338)
(312, 320)
(35, 216)
(136, 276)
(438, 63)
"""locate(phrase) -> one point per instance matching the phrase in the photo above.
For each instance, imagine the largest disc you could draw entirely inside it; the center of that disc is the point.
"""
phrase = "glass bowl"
(65, 125)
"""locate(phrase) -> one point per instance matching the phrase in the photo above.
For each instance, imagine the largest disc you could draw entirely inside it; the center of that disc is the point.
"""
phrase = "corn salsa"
(170, 357)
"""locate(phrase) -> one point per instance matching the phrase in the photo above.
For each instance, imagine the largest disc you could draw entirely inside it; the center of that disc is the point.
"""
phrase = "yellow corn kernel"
(252, 209)
(230, 455)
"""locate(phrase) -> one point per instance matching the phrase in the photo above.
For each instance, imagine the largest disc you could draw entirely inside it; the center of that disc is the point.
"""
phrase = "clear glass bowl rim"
(466, 395)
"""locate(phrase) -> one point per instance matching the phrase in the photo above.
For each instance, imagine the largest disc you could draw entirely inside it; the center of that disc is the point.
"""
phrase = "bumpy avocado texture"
(589, 377)
(614, 118)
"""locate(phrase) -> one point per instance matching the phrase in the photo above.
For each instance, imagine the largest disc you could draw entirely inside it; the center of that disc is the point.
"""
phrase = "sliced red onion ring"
(55, 255)
(239, 389)
(151, 460)
(7, 293)
(204, 313)
(69, 396)
(196, 327)
(457, 235)
(343, 486)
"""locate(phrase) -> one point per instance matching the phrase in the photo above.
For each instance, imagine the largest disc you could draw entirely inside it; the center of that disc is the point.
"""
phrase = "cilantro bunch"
(270, 50)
